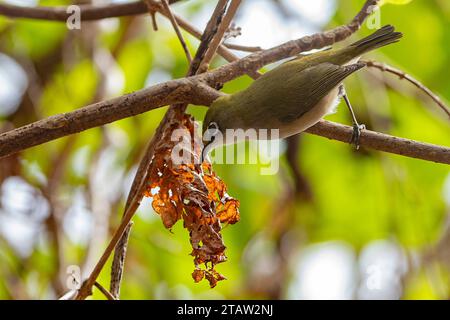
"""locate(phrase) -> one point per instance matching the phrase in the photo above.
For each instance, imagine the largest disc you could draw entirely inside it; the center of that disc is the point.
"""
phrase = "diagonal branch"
(118, 264)
(177, 29)
(136, 192)
(291, 48)
(207, 37)
(217, 40)
(105, 292)
(402, 75)
(222, 50)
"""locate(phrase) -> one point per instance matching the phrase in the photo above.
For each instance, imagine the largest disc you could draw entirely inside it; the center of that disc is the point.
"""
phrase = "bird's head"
(214, 126)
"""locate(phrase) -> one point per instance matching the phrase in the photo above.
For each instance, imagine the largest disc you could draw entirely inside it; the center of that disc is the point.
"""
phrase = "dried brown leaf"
(194, 193)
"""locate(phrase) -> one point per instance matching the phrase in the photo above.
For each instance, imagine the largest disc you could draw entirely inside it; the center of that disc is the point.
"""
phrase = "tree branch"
(217, 39)
(118, 264)
(174, 23)
(212, 31)
(291, 48)
(207, 37)
(105, 292)
(383, 142)
(94, 115)
(239, 47)
(402, 75)
(174, 91)
(88, 12)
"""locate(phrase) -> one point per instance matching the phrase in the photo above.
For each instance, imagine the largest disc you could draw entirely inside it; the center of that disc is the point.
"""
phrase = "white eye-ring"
(213, 129)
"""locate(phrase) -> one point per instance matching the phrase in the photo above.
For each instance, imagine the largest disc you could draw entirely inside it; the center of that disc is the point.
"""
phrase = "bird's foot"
(356, 136)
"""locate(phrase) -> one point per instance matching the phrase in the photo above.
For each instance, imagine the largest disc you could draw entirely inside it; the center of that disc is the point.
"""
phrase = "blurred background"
(332, 224)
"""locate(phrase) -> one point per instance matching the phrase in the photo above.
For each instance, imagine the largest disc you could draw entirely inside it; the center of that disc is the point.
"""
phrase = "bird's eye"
(213, 128)
(213, 125)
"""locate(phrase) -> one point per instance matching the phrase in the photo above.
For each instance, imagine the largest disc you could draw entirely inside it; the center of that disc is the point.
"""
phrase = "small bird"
(293, 96)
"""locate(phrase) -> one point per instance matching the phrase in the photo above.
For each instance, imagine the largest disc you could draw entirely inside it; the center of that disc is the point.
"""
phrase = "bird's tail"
(380, 38)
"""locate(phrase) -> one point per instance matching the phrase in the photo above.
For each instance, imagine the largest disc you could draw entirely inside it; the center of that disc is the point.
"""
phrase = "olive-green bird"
(295, 95)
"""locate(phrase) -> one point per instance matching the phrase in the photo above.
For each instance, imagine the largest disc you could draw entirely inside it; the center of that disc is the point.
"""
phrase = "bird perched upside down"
(295, 95)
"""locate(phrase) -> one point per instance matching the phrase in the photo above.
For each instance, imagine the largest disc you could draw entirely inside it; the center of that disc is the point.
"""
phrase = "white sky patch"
(263, 25)
(318, 12)
(109, 25)
(78, 220)
(324, 271)
(30, 3)
(20, 233)
(157, 75)
(145, 210)
(109, 175)
(20, 198)
(13, 83)
(23, 210)
(81, 161)
(115, 79)
(382, 264)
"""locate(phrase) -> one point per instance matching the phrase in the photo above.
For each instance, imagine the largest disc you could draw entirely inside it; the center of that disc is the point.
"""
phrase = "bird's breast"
(325, 106)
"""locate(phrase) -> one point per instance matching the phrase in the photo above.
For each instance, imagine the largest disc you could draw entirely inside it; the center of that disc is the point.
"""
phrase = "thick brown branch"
(94, 115)
(383, 142)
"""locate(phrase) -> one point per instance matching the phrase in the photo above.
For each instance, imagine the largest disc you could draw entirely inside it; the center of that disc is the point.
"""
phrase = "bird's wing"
(315, 83)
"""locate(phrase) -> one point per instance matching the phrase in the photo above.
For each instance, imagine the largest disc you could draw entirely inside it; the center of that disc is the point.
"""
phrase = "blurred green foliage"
(358, 197)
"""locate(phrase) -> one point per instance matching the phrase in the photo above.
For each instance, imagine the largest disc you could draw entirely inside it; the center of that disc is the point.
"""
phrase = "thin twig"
(105, 292)
(118, 264)
(217, 39)
(402, 75)
(222, 50)
(86, 287)
(89, 12)
(238, 47)
(177, 29)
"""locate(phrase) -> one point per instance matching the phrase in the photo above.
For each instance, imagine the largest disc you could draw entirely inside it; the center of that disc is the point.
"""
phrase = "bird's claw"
(357, 128)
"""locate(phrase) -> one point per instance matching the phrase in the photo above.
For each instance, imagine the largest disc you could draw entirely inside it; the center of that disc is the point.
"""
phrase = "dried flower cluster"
(194, 193)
